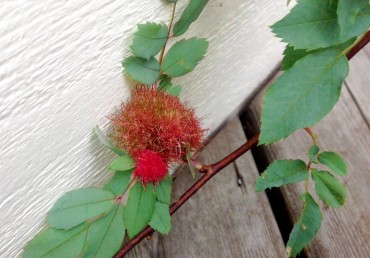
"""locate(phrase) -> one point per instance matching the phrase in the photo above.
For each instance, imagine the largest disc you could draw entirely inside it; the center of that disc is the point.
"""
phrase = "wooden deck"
(227, 218)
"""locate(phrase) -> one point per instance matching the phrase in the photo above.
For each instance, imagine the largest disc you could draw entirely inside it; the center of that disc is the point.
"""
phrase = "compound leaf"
(190, 14)
(106, 235)
(303, 95)
(306, 228)
(53, 243)
(183, 56)
(142, 70)
(329, 189)
(77, 206)
(139, 209)
(282, 172)
(161, 220)
(334, 161)
(149, 39)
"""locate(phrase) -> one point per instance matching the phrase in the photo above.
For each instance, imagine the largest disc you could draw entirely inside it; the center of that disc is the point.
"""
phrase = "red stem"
(211, 170)
(236, 154)
(312, 134)
(363, 42)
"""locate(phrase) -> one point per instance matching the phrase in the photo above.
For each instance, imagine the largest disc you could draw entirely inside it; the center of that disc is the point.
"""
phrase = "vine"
(154, 129)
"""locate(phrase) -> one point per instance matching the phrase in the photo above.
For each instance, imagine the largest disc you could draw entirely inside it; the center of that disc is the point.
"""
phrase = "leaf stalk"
(168, 34)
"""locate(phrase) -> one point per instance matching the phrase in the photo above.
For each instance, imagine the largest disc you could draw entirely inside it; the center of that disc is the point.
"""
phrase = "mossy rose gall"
(154, 120)
(150, 166)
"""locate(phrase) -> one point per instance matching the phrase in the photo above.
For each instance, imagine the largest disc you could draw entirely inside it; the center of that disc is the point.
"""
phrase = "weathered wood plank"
(147, 248)
(224, 219)
(367, 50)
(358, 81)
(345, 232)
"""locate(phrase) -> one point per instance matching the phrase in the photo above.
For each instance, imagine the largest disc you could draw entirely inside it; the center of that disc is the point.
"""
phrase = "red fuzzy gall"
(151, 166)
(154, 120)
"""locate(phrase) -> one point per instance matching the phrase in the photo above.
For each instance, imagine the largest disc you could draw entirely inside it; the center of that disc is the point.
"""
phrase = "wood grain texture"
(358, 82)
(345, 232)
(224, 219)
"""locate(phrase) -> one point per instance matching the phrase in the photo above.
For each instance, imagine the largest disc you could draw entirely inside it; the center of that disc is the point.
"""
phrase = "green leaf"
(190, 14)
(106, 235)
(190, 163)
(353, 17)
(77, 206)
(122, 163)
(119, 183)
(106, 142)
(163, 190)
(303, 95)
(172, 1)
(329, 189)
(166, 85)
(161, 220)
(53, 243)
(306, 228)
(139, 209)
(142, 70)
(311, 24)
(312, 153)
(164, 82)
(282, 172)
(292, 55)
(334, 161)
(149, 39)
(174, 90)
(183, 56)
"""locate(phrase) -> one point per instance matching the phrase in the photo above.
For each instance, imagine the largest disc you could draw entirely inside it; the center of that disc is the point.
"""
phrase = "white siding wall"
(60, 75)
